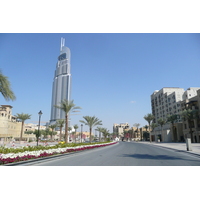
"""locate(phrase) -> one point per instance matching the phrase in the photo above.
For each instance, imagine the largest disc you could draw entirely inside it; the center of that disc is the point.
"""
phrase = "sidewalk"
(181, 146)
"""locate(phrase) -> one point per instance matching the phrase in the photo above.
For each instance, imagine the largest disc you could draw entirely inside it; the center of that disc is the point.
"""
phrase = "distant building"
(62, 82)
(33, 127)
(120, 128)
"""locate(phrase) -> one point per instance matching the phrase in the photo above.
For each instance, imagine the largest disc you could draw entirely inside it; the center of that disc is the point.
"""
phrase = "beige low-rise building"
(33, 127)
(10, 128)
(120, 128)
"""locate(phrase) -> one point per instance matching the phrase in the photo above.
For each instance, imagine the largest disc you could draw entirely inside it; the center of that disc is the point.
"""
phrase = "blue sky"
(113, 74)
(109, 71)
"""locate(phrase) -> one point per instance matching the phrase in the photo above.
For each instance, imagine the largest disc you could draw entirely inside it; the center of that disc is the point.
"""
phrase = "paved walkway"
(177, 145)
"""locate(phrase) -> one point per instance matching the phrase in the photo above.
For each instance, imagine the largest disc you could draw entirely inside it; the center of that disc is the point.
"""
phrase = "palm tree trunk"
(21, 131)
(60, 132)
(75, 136)
(90, 134)
(66, 129)
(191, 133)
(149, 133)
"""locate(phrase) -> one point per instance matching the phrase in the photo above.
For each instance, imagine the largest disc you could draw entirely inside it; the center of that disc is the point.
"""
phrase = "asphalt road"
(125, 154)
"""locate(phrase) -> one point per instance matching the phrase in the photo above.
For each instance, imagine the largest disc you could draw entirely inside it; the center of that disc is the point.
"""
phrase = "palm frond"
(5, 88)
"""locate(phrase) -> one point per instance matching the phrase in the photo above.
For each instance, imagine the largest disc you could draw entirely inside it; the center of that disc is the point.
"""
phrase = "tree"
(60, 123)
(153, 126)
(145, 135)
(146, 127)
(91, 122)
(104, 131)
(22, 117)
(161, 122)
(69, 129)
(131, 134)
(172, 119)
(149, 118)
(5, 88)
(67, 106)
(75, 127)
(190, 115)
(136, 125)
(52, 127)
(45, 132)
(100, 131)
(28, 132)
(125, 134)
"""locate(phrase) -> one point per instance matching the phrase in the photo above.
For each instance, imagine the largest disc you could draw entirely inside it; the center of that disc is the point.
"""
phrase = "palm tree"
(91, 122)
(69, 129)
(105, 132)
(136, 125)
(125, 134)
(172, 119)
(149, 118)
(130, 132)
(53, 126)
(146, 127)
(153, 126)
(22, 117)
(5, 88)
(100, 131)
(161, 122)
(60, 124)
(46, 132)
(67, 106)
(75, 127)
(190, 115)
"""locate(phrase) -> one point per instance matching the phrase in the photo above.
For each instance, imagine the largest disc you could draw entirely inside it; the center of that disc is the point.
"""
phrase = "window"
(62, 56)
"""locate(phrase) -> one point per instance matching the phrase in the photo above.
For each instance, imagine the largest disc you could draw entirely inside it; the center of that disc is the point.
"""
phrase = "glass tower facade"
(62, 82)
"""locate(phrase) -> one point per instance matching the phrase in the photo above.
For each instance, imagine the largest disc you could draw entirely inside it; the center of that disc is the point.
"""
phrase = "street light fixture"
(40, 114)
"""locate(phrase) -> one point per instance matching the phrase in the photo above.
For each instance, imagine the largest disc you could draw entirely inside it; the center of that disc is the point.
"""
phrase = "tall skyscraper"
(62, 82)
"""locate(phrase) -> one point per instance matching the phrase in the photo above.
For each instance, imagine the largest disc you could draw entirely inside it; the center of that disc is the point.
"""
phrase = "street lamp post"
(81, 131)
(40, 114)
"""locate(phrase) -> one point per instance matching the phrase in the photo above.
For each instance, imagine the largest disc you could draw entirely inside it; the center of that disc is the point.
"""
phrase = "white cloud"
(133, 102)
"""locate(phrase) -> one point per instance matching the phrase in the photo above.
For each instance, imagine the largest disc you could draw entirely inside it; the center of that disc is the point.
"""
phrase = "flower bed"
(26, 155)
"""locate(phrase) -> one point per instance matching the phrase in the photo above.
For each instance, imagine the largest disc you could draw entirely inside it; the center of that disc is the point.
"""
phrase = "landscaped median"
(10, 155)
